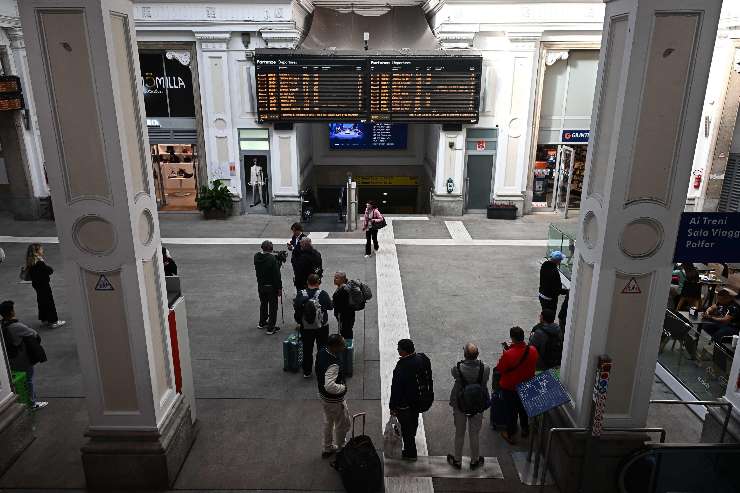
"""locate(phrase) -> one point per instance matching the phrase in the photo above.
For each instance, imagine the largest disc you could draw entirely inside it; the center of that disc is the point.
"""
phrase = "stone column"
(512, 159)
(30, 135)
(450, 164)
(215, 97)
(16, 424)
(84, 67)
(653, 70)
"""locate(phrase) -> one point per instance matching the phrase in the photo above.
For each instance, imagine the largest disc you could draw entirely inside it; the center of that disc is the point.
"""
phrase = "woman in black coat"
(40, 274)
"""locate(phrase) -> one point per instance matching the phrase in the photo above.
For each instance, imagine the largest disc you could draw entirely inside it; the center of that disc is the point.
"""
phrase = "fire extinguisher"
(697, 181)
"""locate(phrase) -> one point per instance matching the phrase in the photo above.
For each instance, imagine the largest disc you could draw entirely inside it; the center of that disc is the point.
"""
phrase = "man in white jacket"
(332, 389)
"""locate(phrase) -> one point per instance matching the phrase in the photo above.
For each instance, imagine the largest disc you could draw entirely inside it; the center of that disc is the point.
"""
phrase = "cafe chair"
(677, 330)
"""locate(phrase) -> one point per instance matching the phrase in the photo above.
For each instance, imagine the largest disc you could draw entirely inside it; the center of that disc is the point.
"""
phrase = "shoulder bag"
(496, 374)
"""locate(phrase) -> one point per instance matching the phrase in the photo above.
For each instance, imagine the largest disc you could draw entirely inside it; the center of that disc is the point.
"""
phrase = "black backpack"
(472, 398)
(424, 385)
(553, 350)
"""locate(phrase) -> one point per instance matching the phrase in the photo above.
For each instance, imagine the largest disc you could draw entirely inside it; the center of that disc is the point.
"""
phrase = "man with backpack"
(547, 338)
(350, 297)
(308, 262)
(23, 345)
(311, 307)
(469, 398)
(516, 365)
(412, 392)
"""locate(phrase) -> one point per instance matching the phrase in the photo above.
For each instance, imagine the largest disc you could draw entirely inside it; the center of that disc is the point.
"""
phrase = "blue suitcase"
(293, 352)
(346, 357)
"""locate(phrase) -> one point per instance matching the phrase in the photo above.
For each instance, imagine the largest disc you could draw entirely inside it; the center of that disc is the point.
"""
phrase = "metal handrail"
(583, 430)
(703, 403)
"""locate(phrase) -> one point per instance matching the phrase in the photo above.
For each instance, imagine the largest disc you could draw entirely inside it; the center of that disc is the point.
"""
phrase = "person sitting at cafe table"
(724, 315)
(689, 288)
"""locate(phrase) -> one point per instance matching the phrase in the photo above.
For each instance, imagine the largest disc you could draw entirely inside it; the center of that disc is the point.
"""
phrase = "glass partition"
(562, 237)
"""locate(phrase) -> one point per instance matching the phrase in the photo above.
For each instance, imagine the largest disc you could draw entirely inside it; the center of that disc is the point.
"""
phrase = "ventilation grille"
(729, 199)
(169, 136)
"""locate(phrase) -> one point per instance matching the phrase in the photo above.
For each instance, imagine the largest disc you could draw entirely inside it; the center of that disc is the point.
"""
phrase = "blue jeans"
(29, 385)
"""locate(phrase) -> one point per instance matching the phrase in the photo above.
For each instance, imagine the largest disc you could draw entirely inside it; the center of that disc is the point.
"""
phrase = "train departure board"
(295, 87)
(425, 89)
(305, 88)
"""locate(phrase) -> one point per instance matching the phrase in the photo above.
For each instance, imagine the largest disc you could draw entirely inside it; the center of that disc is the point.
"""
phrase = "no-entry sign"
(708, 237)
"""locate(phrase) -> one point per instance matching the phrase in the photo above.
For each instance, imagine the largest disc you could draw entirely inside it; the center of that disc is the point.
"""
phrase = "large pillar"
(16, 424)
(215, 97)
(653, 69)
(284, 175)
(84, 67)
(512, 159)
(450, 165)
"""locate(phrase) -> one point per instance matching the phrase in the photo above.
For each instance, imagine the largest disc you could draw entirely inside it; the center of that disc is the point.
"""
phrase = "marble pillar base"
(23, 208)
(447, 205)
(16, 433)
(285, 206)
(568, 449)
(138, 460)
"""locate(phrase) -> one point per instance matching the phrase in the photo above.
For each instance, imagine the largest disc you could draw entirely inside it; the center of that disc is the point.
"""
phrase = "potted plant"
(501, 210)
(215, 202)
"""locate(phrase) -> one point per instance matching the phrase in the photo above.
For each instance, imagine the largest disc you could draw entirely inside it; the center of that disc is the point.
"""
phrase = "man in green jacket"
(269, 287)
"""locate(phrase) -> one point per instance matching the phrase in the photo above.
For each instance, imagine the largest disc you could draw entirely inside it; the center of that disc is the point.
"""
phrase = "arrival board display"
(300, 87)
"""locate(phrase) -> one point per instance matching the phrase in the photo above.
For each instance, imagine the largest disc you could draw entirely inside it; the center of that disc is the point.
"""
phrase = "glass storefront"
(169, 100)
(565, 117)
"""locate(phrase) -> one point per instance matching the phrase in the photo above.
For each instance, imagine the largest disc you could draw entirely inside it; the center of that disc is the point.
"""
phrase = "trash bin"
(20, 387)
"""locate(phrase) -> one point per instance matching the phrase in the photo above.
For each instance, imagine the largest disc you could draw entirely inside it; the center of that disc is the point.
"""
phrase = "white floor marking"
(457, 230)
(318, 240)
(392, 326)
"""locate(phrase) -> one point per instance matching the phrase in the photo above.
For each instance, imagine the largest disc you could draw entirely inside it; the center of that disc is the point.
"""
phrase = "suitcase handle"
(354, 417)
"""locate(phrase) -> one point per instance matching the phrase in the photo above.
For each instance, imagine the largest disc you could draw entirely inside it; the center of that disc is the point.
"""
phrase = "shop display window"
(176, 175)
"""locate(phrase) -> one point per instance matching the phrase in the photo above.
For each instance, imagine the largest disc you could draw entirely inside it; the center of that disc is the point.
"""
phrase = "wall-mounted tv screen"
(367, 135)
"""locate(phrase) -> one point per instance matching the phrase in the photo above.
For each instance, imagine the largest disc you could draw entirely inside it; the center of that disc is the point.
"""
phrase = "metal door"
(563, 179)
(479, 180)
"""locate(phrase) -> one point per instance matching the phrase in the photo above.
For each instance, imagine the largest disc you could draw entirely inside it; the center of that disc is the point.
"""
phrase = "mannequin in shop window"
(256, 180)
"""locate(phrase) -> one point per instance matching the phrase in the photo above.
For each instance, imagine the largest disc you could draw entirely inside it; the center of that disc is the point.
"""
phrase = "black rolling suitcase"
(499, 411)
(358, 463)
(293, 352)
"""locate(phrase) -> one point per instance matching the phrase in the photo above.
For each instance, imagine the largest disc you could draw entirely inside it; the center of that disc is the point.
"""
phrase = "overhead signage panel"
(300, 87)
(708, 237)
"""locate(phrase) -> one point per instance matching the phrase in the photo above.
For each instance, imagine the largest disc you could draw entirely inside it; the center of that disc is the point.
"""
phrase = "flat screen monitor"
(367, 135)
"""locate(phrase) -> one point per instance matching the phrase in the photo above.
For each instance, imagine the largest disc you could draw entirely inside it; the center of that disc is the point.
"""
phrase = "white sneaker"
(367, 256)
(57, 324)
(39, 405)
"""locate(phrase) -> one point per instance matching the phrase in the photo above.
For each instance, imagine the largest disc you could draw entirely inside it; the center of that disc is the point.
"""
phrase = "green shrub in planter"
(215, 202)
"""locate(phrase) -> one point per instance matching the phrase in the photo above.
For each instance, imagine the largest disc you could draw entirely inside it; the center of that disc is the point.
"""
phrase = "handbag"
(34, 350)
(392, 441)
(496, 374)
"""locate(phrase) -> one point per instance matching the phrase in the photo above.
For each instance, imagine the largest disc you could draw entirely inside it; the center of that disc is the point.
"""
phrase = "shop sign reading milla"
(708, 237)
(167, 85)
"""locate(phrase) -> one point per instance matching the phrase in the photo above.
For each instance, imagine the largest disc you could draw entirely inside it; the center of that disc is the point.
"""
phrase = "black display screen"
(367, 135)
(301, 87)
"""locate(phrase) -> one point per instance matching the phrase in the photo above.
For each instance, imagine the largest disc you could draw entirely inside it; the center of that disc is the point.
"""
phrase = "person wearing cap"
(269, 287)
(550, 285)
(724, 316)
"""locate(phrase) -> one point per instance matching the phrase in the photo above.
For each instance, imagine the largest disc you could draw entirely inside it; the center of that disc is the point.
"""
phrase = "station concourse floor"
(259, 427)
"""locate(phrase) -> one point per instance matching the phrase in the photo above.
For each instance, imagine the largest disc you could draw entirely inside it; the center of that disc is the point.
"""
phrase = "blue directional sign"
(542, 393)
(575, 136)
(708, 237)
